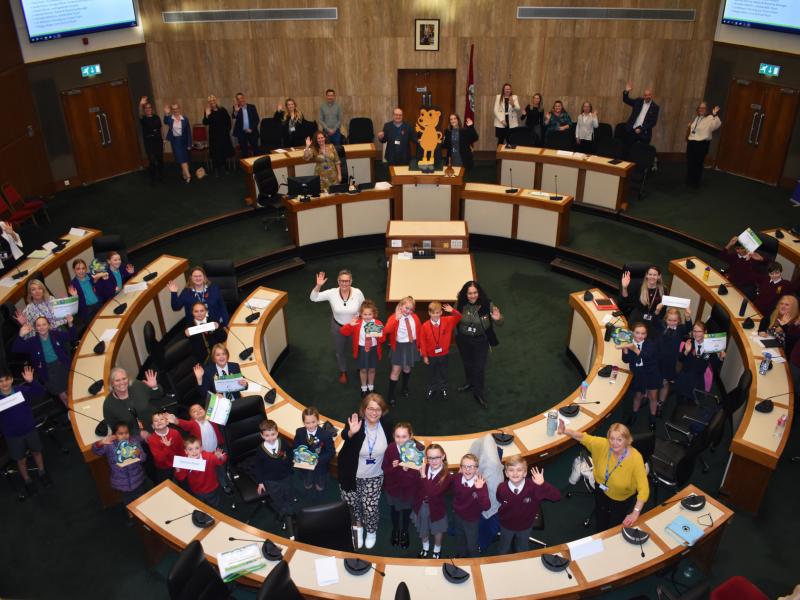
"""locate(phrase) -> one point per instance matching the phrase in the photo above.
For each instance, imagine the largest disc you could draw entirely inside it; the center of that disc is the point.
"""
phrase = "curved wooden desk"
(755, 448)
(513, 575)
(360, 163)
(126, 349)
(268, 338)
(425, 196)
(55, 267)
(589, 179)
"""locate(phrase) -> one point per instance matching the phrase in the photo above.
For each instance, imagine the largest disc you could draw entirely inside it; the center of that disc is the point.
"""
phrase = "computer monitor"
(307, 185)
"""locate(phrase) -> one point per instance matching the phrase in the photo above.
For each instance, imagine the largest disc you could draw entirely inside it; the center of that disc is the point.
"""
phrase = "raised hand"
(150, 379)
(354, 424)
(626, 279)
(321, 279)
(172, 418)
(714, 111)
(108, 440)
(308, 142)
(447, 308)
(537, 475)
(69, 320)
(129, 268)
(280, 107)
(72, 291)
(261, 490)
(469, 122)
(479, 481)
(20, 317)
(219, 453)
(172, 286)
(25, 330)
(496, 314)
(687, 348)
(628, 87)
(143, 100)
(354, 321)
(198, 372)
(27, 374)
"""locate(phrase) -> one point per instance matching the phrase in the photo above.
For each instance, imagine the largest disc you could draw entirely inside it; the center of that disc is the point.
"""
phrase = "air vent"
(615, 14)
(256, 14)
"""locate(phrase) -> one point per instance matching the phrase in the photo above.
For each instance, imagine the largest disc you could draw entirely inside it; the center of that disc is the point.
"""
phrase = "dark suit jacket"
(6, 256)
(252, 114)
(650, 119)
(210, 372)
(466, 138)
(397, 154)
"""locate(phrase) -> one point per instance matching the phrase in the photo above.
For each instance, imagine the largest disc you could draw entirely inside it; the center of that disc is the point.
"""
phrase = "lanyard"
(652, 300)
(619, 462)
(371, 443)
(200, 296)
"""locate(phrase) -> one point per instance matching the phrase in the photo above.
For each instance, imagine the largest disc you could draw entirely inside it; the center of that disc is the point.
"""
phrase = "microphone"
(588, 402)
(247, 352)
(100, 346)
(19, 274)
(59, 246)
(253, 314)
(641, 543)
(150, 274)
(360, 566)
(609, 331)
(556, 196)
(121, 306)
(268, 549)
(512, 189)
(102, 428)
(743, 307)
(168, 521)
(97, 384)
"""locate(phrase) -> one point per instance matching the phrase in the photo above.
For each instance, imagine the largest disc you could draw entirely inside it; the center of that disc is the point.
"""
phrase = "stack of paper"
(327, 571)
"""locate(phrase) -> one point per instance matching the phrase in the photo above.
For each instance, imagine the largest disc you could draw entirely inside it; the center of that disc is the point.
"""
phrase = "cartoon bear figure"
(429, 138)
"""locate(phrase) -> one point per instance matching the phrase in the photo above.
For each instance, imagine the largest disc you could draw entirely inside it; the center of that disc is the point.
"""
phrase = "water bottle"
(706, 273)
(763, 367)
(552, 422)
(780, 426)
(584, 390)
(614, 374)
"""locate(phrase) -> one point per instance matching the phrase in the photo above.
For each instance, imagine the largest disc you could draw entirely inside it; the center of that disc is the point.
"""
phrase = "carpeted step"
(594, 277)
(269, 270)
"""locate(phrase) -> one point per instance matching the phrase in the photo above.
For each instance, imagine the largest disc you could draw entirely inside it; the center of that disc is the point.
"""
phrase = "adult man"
(701, 129)
(245, 127)
(330, 117)
(644, 116)
(396, 134)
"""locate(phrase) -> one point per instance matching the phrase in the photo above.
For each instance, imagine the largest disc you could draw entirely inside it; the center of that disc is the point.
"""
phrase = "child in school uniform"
(119, 448)
(430, 511)
(202, 343)
(165, 444)
(50, 352)
(399, 484)
(698, 365)
(435, 345)
(403, 332)
(320, 442)
(677, 328)
(520, 498)
(366, 349)
(219, 366)
(742, 266)
(470, 499)
(203, 484)
(83, 285)
(207, 432)
(771, 288)
(116, 276)
(274, 466)
(642, 356)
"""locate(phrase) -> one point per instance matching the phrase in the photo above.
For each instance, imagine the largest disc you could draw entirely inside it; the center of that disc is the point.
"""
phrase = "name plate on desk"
(131, 288)
(77, 232)
(190, 464)
(202, 328)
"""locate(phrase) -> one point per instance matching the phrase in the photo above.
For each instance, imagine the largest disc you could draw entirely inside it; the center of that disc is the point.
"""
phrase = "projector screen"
(54, 19)
(773, 15)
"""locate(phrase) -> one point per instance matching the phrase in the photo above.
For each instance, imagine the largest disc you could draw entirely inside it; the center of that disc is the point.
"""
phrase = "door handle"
(752, 127)
(108, 130)
(100, 130)
(760, 123)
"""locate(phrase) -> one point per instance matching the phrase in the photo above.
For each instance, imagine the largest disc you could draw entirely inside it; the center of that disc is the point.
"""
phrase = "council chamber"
(399, 300)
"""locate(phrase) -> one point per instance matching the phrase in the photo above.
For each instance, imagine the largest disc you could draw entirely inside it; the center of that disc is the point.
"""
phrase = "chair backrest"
(177, 368)
(104, 244)
(620, 131)
(242, 437)
(610, 148)
(192, 577)
(768, 248)
(603, 132)
(264, 178)
(152, 345)
(199, 133)
(736, 398)
(326, 525)
(715, 430)
(279, 585)
(343, 159)
(558, 140)
(271, 133)
(223, 274)
(12, 196)
(360, 131)
(718, 321)
(644, 155)
(522, 136)
(645, 443)
(402, 593)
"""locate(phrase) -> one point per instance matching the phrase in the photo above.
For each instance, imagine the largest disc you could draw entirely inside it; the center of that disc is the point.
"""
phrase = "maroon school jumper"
(398, 483)
(469, 502)
(433, 491)
(517, 511)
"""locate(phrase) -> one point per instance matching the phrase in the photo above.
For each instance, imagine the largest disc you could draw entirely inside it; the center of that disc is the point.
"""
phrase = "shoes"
(430, 395)
(444, 394)
(30, 488)
(404, 391)
(369, 541)
(659, 408)
(343, 377)
(45, 479)
(364, 393)
(359, 536)
(481, 401)
(228, 490)
(465, 387)
(404, 538)
(422, 554)
(435, 555)
(652, 427)
(395, 537)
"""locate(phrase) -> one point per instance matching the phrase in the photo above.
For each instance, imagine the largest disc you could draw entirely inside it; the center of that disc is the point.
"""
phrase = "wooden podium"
(426, 196)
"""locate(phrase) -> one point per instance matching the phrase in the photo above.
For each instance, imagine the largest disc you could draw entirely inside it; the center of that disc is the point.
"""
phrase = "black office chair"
(689, 419)
(278, 585)
(645, 443)
(644, 157)
(223, 274)
(268, 190)
(603, 132)
(521, 136)
(193, 577)
(610, 148)
(621, 131)
(768, 249)
(585, 488)
(360, 131)
(271, 132)
(699, 592)
(103, 244)
(326, 525)
(737, 397)
(719, 321)
(175, 366)
(402, 593)
(559, 140)
(343, 160)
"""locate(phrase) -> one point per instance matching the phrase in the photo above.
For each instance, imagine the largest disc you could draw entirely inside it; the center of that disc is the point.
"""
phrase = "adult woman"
(533, 115)
(458, 142)
(40, 304)
(475, 334)
(132, 402)
(366, 437)
(117, 274)
(292, 122)
(622, 487)
(647, 306)
(558, 119)
(783, 324)
(584, 128)
(220, 147)
(153, 142)
(698, 139)
(199, 289)
(345, 301)
(325, 158)
(179, 134)
(506, 113)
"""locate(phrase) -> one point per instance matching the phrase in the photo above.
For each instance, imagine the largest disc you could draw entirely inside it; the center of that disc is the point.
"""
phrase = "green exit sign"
(90, 71)
(768, 70)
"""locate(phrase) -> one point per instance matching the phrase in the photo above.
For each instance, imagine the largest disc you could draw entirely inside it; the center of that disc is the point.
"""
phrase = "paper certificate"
(77, 232)
(229, 383)
(258, 303)
(219, 409)
(749, 240)
(12, 400)
(240, 561)
(131, 288)
(202, 328)
(715, 342)
(676, 301)
(65, 306)
(190, 464)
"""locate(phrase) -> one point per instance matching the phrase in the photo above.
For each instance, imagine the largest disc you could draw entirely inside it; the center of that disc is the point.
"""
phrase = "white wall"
(756, 38)
(51, 49)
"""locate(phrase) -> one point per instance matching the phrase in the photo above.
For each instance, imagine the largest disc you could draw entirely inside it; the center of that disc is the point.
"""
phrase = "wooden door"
(102, 130)
(756, 129)
(439, 84)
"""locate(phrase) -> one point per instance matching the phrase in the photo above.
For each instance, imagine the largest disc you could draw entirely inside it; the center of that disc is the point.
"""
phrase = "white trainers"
(370, 540)
(575, 475)
(359, 536)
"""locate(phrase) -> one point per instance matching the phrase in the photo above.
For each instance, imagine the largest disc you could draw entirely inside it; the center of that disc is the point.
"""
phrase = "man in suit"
(644, 116)
(245, 126)
(396, 134)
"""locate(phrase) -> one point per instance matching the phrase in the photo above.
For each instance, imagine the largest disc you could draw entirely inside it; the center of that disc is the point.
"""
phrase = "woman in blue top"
(199, 289)
(83, 286)
(558, 119)
(49, 351)
(179, 134)
(118, 274)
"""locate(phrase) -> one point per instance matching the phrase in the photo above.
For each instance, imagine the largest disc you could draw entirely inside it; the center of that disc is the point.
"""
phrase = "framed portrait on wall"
(426, 34)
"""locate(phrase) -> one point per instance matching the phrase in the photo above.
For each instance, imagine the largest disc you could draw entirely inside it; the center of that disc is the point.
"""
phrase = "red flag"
(469, 108)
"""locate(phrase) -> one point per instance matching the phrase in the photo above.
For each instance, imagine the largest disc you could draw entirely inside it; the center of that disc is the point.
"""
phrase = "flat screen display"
(772, 15)
(53, 19)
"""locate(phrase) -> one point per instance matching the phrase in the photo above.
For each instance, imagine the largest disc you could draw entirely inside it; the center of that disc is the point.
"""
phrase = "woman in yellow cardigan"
(621, 486)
